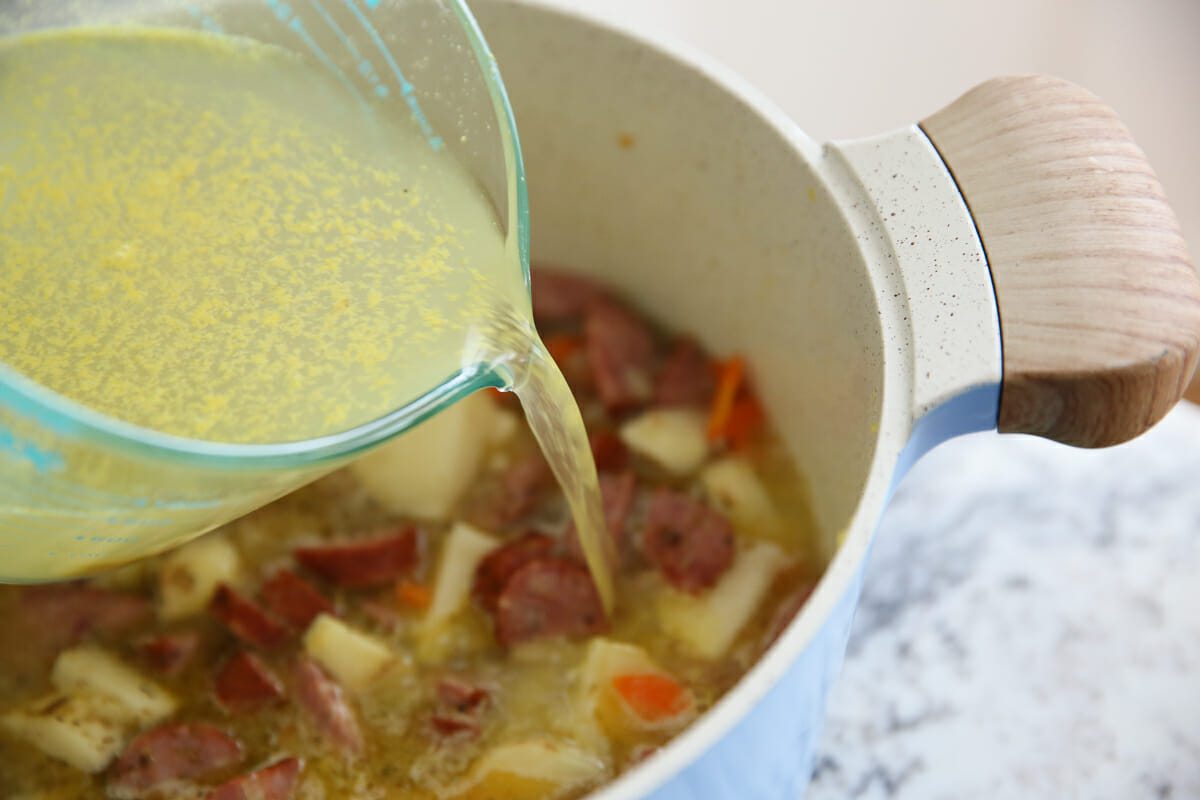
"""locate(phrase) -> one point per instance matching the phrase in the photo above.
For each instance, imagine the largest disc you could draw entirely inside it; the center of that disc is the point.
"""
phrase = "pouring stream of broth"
(186, 245)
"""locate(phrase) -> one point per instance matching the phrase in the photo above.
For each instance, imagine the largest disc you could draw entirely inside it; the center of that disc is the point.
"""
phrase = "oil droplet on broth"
(186, 246)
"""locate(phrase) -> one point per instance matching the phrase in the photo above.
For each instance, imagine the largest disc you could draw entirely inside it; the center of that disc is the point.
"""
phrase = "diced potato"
(535, 769)
(505, 425)
(352, 657)
(137, 698)
(733, 488)
(708, 624)
(673, 438)
(465, 547)
(80, 728)
(189, 576)
(606, 659)
(423, 472)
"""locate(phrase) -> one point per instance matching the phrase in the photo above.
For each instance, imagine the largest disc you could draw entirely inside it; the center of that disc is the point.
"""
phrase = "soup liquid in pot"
(185, 245)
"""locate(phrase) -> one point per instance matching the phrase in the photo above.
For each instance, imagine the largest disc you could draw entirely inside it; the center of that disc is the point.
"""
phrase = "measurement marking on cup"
(365, 67)
(284, 13)
(22, 450)
(206, 22)
(406, 88)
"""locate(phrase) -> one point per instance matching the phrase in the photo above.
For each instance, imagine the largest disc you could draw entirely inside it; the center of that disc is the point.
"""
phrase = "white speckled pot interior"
(851, 276)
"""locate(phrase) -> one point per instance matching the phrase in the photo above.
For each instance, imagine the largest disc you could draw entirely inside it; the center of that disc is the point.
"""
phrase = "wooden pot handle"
(1099, 302)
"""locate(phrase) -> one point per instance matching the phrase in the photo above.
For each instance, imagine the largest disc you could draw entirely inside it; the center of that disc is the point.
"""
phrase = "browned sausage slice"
(244, 684)
(561, 296)
(686, 378)
(366, 563)
(461, 695)
(497, 567)
(620, 351)
(293, 599)
(243, 617)
(616, 495)
(455, 724)
(690, 543)
(326, 706)
(176, 751)
(548, 596)
(169, 653)
(269, 783)
(515, 494)
(54, 616)
(608, 451)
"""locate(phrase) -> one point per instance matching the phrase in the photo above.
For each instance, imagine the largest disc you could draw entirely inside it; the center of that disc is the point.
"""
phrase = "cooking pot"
(1010, 262)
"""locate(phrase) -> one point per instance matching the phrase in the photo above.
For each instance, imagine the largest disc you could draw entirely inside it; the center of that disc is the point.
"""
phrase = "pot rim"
(894, 428)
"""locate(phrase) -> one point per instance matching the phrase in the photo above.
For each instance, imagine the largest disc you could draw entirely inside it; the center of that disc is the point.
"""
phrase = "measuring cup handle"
(1099, 302)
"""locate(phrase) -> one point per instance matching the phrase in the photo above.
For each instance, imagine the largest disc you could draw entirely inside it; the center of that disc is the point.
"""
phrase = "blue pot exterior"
(769, 754)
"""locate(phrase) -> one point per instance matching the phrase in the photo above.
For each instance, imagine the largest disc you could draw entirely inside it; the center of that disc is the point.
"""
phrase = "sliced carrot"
(562, 346)
(652, 697)
(745, 420)
(729, 381)
(413, 595)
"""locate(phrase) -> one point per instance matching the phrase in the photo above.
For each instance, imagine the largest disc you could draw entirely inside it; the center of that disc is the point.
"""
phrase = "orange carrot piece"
(652, 697)
(745, 419)
(729, 381)
(413, 595)
(562, 346)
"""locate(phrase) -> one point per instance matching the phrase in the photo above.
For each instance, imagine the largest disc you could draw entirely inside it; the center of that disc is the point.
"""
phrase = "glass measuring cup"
(81, 491)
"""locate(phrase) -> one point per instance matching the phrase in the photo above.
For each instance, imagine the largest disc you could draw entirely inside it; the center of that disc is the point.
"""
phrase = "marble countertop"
(1029, 628)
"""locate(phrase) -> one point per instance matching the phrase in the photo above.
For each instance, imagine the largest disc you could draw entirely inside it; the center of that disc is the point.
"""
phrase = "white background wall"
(846, 68)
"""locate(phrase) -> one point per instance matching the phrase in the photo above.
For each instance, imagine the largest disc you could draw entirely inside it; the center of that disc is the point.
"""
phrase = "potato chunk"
(190, 575)
(352, 657)
(534, 769)
(708, 624)
(673, 438)
(465, 547)
(80, 728)
(423, 472)
(137, 698)
(732, 487)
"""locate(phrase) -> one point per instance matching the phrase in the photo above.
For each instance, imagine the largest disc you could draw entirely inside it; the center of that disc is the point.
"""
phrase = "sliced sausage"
(608, 451)
(293, 599)
(517, 492)
(690, 543)
(61, 614)
(461, 695)
(616, 495)
(245, 684)
(169, 653)
(176, 751)
(686, 377)
(620, 351)
(365, 563)
(245, 619)
(561, 296)
(548, 596)
(521, 486)
(497, 567)
(269, 783)
(454, 724)
(326, 706)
